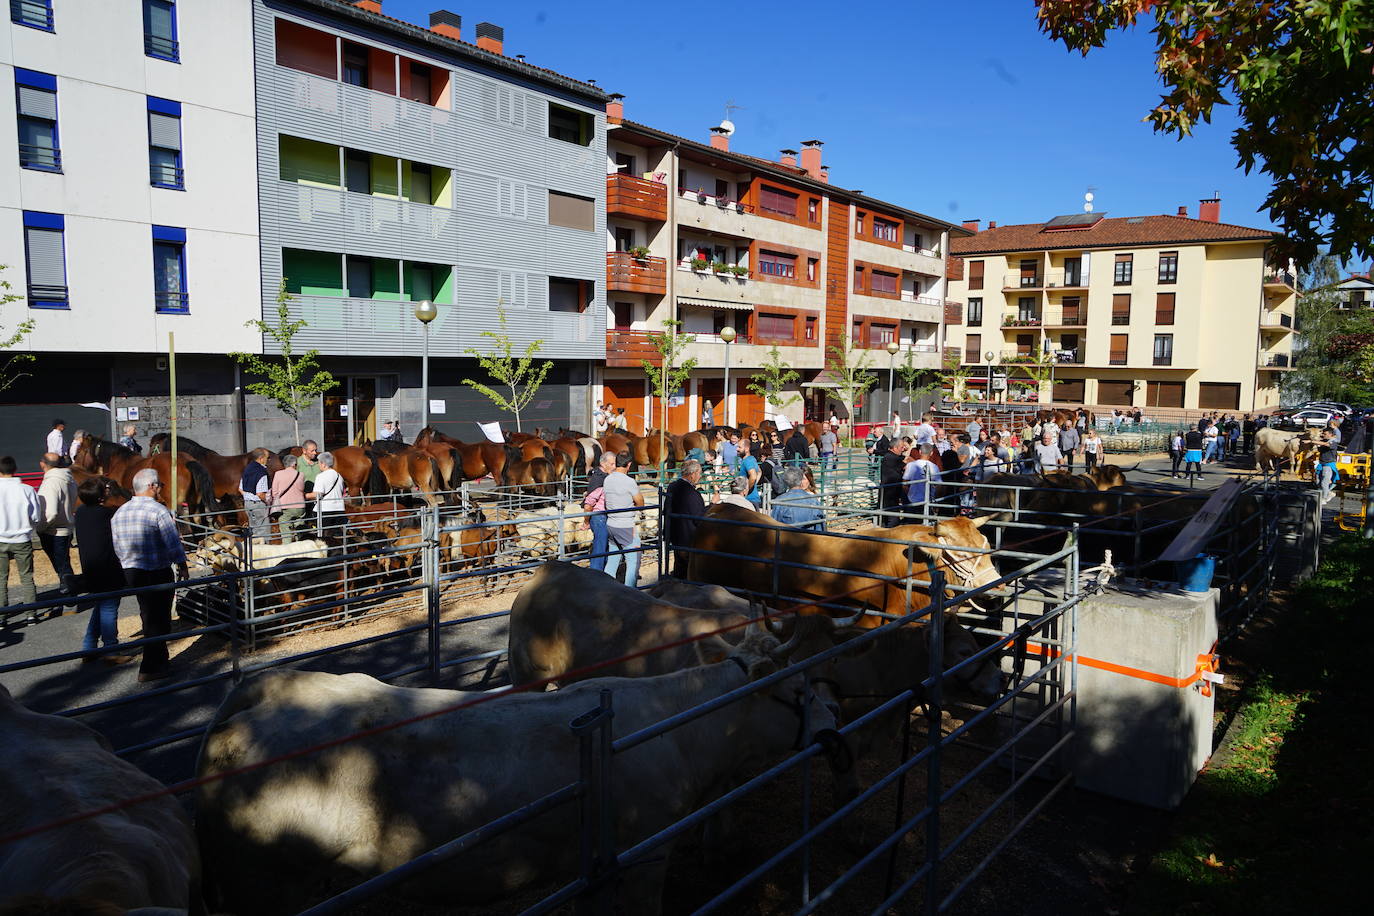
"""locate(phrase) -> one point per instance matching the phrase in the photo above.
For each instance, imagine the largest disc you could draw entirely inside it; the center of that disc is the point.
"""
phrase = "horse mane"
(384, 447)
(102, 449)
(163, 441)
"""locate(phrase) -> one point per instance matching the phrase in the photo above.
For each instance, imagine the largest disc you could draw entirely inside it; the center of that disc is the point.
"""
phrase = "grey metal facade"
(494, 160)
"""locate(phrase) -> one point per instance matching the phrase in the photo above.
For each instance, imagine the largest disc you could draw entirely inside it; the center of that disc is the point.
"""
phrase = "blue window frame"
(164, 144)
(36, 109)
(36, 14)
(169, 270)
(160, 30)
(45, 257)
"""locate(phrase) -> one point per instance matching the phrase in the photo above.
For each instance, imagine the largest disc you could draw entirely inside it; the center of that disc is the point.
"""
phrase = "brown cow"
(891, 563)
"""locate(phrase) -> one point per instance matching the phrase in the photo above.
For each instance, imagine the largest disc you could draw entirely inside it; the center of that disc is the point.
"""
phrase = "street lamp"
(425, 312)
(727, 334)
(1054, 358)
(892, 348)
(989, 356)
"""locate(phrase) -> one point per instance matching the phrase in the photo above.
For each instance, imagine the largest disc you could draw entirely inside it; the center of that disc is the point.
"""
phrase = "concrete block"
(1140, 740)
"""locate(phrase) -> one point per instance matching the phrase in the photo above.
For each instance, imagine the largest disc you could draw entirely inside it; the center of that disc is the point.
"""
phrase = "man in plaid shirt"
(148, 546)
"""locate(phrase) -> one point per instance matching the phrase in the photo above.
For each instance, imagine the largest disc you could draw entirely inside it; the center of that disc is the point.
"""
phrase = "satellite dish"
(1087, 208)
(1088, 197)
(727, 127)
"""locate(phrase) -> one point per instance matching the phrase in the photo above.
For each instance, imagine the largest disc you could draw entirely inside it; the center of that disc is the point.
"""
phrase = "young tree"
(853, 378)
(11, 370)
(669, 375)
(1039, 368)
(1298, 72)
(521, 374)
(955, 374)
(294, 383)
(773, 377)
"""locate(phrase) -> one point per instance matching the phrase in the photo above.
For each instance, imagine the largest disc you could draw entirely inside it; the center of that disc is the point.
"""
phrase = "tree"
(1328, 346)
(852, 375)
(521, 374)
(917, 382)
(11, 370)
(294, 383)
(1039, 368)
(955, 374)
(772, 379)
(1298, 72)
(668, 376)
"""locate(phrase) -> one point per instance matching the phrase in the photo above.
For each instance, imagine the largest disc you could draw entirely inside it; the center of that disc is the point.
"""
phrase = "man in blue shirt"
(798, 507)
(729, 451)
(749, 467)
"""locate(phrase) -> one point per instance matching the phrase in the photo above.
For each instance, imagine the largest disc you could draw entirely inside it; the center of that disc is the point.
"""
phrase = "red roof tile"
(1106, 233)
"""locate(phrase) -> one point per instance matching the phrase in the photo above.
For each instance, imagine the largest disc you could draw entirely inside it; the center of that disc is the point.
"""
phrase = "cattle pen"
(956, 781)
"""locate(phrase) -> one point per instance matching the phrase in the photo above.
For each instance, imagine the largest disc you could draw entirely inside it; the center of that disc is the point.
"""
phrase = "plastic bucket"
(1195, 575)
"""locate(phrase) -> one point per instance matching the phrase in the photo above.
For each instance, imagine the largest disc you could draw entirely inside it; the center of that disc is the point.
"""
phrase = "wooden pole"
(172, 380)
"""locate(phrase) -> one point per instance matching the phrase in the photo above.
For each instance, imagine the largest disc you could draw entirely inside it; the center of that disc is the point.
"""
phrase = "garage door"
(1070, 390)
(1118, 394)
(627, 393)
(1218, 396)
(1163, 394)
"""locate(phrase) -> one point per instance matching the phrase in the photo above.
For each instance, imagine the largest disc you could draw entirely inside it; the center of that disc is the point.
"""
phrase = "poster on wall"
(437, 406)
(121, 414)
(133, 413)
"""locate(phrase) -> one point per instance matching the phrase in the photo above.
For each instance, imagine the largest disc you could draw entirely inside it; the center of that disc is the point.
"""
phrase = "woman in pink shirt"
(288, 499)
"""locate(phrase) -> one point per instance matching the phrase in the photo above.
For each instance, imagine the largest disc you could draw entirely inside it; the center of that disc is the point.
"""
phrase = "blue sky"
(962, 110)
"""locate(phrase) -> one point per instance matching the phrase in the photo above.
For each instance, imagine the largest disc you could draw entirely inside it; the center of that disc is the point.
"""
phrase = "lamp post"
(425, 312)
(727, 334)
(892, 348)
(1054, 358)
(989, 356)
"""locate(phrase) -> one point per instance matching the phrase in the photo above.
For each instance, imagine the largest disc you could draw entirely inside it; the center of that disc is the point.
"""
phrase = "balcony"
(1277, 322)
(417, 231)
(1017, 280)
(1275, 362)
(909, 296)
(1062, 279)
(625, 348)
(722, 203)
(1028, 322)
(1280, 280)
(1067, 318)
(731, 275)
(1015, 356)
(629, 274)
(636, 198)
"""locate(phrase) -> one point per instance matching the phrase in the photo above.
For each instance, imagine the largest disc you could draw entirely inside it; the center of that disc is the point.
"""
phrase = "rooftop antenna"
(726, 125)
(1088, 199)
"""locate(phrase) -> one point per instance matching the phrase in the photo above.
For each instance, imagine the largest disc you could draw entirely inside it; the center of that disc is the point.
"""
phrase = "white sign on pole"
(492, 431)
(783, 422)
(437, 406)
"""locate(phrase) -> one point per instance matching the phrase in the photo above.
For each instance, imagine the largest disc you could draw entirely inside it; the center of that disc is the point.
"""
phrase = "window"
(36, 95)
(164, 144)
(1073, 271)
(571, 211)
(776, 200)
(885, 230)
(975, 274)
(813, 210)
(355, 64)
(569, 125)
(624, 315)
(775, 327)
(625, 165)
(973, 344)
(810, 328)
(420, 81)
(512, 289)
(46, 257)
(1117, 356)
(880, 335)
(1164, 349)
(357, 172)
(1168, 267)
(1121, 308)
(169, 269)
(1163, 394)
(813, 267)
(722, 189)
(1122, 270)
(880, 283)
(975, 313)
(1030, 273)
(421, 183)
(1073, 313)
(1068, 349)
(34, 13)
(859, 223)
(512, 199)
(858, 278)
(569, 295)
(1164, 308)
(160, 30)
(1025, 309)
(1025, 345)
(773, 264)
(624, 239)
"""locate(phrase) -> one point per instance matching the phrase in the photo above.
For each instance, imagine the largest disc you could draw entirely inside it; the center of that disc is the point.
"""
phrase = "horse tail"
(205, 488)
(377, 484)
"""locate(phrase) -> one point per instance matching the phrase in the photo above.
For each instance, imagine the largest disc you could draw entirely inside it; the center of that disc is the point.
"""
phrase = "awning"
(715, 304)
(827, 379)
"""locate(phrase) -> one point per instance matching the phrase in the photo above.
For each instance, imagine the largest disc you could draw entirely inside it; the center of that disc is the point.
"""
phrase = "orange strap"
(1207, 664)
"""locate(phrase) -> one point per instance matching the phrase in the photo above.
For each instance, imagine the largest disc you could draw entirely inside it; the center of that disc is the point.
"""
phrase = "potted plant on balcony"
(740, 271)
(699, 263)
(719, 267)
(701, 196)
(640, 253)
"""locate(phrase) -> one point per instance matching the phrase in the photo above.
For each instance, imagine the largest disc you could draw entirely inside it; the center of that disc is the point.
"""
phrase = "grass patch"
(1281, 821)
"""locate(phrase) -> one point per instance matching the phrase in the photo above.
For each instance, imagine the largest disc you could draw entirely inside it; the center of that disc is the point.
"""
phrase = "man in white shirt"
(57, 496)
(925, 432)
(56, 444)
(328, 492)
(1047, 454)
(19, 510)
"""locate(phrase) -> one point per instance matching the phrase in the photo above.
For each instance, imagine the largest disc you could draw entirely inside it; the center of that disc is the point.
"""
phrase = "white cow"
(1275, 449)
(369, 805)
(51, 767)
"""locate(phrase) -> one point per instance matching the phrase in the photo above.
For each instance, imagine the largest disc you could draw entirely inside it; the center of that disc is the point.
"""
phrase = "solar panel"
(1074, 221)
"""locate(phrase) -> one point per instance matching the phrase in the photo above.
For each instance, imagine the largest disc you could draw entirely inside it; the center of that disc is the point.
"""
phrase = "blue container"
(1195, 575)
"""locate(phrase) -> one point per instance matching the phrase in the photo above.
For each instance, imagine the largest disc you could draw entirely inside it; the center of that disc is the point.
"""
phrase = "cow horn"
(981, 520)
(842, 623)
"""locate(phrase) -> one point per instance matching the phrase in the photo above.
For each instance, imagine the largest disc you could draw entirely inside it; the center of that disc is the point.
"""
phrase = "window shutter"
(46, 266)
(164, 130)
(37, 103)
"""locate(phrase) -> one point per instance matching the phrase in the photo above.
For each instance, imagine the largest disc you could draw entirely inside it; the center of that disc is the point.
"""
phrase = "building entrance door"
(350, 412)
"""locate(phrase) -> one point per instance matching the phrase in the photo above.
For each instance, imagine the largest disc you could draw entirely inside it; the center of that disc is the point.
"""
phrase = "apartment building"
(128, 209)
(1142, 311)
(768, 251)
(1356, 291)
(398, 163)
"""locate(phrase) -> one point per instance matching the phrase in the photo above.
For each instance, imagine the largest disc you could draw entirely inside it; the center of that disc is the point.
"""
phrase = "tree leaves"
(521, 374)
(295, 382)
(11, 369)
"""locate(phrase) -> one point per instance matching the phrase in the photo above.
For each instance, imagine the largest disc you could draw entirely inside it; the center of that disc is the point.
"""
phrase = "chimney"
(811, 158)
(1182, 211)
(720, 139)
(490, 37)
(615, 108)
(788, 157)
(1209, 210)
(825, 173)
(372, 6)
(992, 224)
(449, 25)
(972, 224)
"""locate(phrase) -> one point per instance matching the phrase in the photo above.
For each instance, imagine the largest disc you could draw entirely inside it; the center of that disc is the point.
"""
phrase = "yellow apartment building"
(1140, 311)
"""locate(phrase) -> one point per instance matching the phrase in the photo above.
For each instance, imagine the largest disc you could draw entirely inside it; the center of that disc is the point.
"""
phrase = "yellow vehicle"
(1353, 471)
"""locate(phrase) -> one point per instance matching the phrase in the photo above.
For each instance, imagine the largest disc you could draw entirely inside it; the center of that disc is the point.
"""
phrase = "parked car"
(1306, 418)
(1337, 406)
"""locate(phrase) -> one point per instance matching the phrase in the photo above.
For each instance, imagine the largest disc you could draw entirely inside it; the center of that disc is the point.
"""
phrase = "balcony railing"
(627, 273)
(1120, 320)
(909, 296)
(1281, 320)
(722, 202)
(1116, 359)
(1017, 280)
(1029, 322)
(1274, 361)
(44, 293)
(1164, 360)
(914, 249)
(47, 158)
(730, 271)
(167, 176)
(638, 198)
(1274, 276)
(157, 46)
(1062, 279)
(626, 348)
(1067, 319)
(171, 301)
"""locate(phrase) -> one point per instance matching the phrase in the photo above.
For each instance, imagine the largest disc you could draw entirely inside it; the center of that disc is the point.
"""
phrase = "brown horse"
(405, 468)
(571, 456)
(352, 463)
(476, 460)
(225, 470)
(115, 496)
(194, 489)
(535, 476)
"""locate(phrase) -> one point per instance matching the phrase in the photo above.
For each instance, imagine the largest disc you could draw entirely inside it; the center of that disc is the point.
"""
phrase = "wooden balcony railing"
(627, 348)
(629, 274)
(637, 198)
